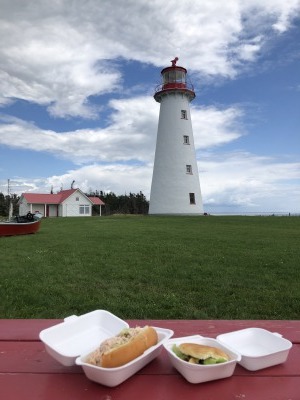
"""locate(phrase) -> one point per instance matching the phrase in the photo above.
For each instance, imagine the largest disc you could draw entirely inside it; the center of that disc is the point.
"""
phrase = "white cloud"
(58, 55)
(215, 127)
(129, 135)
(248, 51)
(238, 182)
(277, 12)
(247, 182)
(126, 150)
(117, 178)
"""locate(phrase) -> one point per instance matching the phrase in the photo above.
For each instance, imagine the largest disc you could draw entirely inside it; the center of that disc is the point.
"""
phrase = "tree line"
(132, 203)
(5, 201)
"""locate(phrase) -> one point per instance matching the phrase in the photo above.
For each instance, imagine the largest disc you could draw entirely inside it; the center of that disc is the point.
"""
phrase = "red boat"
(21, 225)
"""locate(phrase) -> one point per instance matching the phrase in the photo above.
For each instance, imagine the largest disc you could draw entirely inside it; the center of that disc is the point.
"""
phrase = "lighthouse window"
(172, 76)
(180, 76)
(186, 139)
(166, 77)
(189, 169)
(192, 198)
(183, 114)
(169, 77)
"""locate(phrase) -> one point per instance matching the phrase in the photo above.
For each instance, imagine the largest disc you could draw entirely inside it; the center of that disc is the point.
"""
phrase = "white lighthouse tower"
(175, 183)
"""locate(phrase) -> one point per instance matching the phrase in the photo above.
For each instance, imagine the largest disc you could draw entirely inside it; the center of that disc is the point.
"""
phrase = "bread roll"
(202, 352)
(126, 346)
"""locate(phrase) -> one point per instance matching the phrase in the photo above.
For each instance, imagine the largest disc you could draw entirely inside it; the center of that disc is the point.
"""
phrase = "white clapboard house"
(66, 203)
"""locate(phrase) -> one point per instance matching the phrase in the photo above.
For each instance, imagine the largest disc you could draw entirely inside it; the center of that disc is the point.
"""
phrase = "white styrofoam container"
(71, 341)
(114, 376)
(195, 373)
(258, 347)
(80, 334)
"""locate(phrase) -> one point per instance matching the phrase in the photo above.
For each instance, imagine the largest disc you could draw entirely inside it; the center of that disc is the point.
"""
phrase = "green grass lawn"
(211, 267)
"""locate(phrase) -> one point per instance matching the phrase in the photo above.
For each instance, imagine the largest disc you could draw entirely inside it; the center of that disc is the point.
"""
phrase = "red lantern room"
(174, 79)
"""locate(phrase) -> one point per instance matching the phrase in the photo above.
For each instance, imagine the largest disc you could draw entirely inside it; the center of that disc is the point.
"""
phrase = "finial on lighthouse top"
(174, 61)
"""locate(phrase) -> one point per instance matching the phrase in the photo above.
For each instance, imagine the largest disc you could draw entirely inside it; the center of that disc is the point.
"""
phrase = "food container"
(195, 373)
(258, 347)
(115, 376)
(71, 341)
(79, 334)
(252, 348)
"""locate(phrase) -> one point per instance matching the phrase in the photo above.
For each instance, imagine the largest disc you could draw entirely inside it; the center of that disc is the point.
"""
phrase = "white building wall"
(39, 208)
(25, 207)
(52, 210)
(171, 184)
(71, 206)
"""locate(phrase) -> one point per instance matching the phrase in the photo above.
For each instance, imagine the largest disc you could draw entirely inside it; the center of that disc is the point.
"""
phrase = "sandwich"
(200, 354)
(129, 344)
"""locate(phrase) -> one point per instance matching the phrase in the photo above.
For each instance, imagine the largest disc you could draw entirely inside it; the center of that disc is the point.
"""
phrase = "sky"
(77, 79)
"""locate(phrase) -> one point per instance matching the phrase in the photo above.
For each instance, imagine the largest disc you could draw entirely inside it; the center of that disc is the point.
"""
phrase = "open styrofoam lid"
(80, 334)
(255, 342)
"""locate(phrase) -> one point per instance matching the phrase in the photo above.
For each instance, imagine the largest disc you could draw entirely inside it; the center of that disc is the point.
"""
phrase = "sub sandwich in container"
(129, 344)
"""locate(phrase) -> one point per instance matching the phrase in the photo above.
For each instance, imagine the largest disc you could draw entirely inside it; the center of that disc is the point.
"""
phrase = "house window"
(84, 209)
(192, 198)
(186, 139)
(183, 114)
(77, 198)
(189, 169)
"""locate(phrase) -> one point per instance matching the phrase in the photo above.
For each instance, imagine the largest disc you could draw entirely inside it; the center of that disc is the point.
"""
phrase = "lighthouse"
(175, 185)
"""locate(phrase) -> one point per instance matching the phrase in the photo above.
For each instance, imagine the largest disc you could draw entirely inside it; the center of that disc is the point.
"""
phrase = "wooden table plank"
(65, 387)
(29, 329)
(28, 372)
(24, 329)
(31, 357)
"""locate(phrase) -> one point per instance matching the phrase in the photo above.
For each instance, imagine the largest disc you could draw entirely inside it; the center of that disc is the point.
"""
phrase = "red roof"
(97, 201)
(58, 198)
(37, 198)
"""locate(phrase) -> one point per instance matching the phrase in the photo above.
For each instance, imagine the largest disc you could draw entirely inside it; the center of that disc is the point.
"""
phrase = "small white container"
(195, 373)
(258, 347)
(74, 339)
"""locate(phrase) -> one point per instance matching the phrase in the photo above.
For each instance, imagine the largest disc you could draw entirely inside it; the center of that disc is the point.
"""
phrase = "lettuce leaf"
(179, 354)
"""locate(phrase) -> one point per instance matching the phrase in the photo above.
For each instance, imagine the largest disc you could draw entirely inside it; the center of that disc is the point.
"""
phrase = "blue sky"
(76, 96)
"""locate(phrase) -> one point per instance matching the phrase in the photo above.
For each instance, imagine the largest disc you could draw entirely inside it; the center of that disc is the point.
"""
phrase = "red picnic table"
(27, 372)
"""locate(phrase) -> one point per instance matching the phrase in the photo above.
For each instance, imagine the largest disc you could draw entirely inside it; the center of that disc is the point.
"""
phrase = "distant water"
(263, 214)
